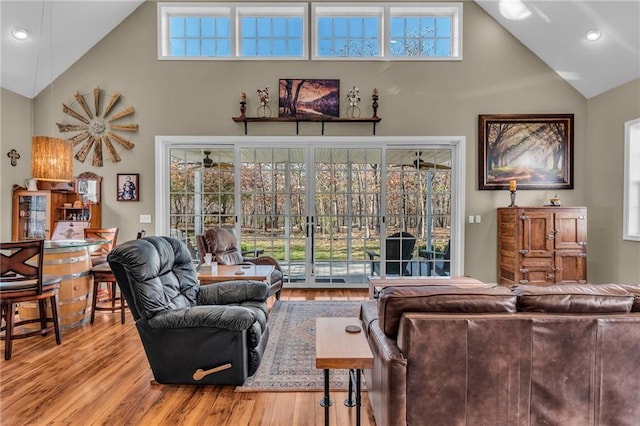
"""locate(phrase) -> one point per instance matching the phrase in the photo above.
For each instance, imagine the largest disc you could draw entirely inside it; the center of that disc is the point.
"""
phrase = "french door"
(324, 208)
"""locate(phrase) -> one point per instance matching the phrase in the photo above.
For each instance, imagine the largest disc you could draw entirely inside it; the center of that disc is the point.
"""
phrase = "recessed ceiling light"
(513, 10)
(20, 33)
(593, 35)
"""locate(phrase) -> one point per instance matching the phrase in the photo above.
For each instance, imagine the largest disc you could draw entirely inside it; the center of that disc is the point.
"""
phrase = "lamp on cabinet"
(51, 159)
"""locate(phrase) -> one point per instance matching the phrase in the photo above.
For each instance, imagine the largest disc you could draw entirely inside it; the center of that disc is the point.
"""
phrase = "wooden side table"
(229, 273)
(337, 348)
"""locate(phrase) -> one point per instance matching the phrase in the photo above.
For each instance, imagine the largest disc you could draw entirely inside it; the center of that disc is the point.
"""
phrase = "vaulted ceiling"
(62, 31)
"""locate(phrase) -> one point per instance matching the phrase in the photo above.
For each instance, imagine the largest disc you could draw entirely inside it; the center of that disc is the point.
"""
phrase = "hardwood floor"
(100, 375)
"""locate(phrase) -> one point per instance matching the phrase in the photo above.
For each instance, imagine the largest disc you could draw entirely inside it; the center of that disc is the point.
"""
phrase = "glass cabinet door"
(32, 217)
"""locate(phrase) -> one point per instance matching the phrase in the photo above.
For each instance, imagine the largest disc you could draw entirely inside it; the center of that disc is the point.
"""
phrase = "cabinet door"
(570, 267)
(571, 230)
(537, 271)
(537, 235)
(31, 216)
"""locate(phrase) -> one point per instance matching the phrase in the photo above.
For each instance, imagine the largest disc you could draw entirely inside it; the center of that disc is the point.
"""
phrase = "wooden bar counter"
(70, 260)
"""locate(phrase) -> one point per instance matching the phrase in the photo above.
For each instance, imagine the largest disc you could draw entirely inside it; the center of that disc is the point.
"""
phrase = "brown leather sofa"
(559, 355)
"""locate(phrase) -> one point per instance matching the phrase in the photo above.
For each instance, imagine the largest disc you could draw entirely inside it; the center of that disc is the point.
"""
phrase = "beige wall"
(15, 133)
(611, 259)
(498, 75)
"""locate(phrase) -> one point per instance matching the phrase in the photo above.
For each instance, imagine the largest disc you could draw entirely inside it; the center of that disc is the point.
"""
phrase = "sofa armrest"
(233, 292)
(386, 381)
(234, 318)
(265, 260)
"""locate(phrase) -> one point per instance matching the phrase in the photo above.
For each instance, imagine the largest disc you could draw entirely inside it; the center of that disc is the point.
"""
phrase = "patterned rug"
(289, 363)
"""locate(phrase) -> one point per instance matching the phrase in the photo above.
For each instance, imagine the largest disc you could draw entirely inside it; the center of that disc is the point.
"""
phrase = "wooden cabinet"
(36, 213)
(542, 245)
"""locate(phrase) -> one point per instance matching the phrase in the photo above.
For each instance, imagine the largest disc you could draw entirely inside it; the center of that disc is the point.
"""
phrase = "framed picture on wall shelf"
(535, 150)
(128, 186)
(308, 98)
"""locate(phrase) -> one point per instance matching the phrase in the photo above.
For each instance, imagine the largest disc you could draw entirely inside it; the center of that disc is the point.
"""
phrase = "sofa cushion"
(574, 298)
(394, 301)
(635, 290)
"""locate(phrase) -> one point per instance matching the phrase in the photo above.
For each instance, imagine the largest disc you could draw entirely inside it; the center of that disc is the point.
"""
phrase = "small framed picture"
(128, 187)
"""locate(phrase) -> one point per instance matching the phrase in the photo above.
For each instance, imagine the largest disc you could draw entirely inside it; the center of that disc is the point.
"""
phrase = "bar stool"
(102, 273)
(21, 280)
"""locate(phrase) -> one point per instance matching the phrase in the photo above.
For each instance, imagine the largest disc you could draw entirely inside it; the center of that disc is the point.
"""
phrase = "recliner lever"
(200, 374)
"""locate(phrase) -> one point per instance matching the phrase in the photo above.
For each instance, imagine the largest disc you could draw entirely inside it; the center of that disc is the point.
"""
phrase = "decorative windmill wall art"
(97, 125)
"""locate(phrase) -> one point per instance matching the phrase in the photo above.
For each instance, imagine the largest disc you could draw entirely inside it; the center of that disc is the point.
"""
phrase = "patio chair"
(399, 251)
(440, 261)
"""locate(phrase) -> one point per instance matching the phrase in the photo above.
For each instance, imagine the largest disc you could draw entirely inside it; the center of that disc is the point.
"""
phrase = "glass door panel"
(326, 213)
(418, 183)
(346, 201)
(202, 191)
(273, 207)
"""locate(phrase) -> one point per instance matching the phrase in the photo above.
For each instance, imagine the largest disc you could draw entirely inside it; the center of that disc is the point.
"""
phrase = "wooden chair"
(110, 235)
(21, 280)
(102, 273)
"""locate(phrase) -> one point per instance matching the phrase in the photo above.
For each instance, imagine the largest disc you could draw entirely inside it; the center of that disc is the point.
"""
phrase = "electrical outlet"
(470, 218)
(478, 218)
(145, 218)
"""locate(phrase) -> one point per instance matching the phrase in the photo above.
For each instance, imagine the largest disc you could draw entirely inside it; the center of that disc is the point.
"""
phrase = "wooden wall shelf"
(323, 120)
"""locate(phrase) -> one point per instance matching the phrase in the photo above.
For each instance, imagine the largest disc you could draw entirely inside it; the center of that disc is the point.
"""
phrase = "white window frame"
(631, 212)
(234, 11)
(386, 11)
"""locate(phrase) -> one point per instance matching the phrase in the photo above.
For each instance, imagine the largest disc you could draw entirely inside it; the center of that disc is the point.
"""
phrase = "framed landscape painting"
(535, 150)
(308, 98)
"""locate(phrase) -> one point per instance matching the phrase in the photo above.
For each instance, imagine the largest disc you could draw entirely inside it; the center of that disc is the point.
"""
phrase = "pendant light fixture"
(51, 158)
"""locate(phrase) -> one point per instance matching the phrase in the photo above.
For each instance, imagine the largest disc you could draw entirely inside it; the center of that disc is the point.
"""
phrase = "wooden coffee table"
(337, 348)
(231, 273)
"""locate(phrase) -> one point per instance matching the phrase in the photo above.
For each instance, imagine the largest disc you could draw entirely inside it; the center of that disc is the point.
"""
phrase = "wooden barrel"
(73, 265)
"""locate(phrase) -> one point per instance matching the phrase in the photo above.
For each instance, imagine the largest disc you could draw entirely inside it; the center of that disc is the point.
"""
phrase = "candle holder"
(513, 198)
(374, 104)
(243, 108)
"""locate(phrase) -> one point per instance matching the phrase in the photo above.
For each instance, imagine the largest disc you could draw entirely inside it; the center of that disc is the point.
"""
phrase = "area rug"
(289, 363)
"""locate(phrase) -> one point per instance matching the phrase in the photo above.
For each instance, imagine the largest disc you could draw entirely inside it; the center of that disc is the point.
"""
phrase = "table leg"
(355, 375)
(358, 396)
(350, 401)
(326, 401)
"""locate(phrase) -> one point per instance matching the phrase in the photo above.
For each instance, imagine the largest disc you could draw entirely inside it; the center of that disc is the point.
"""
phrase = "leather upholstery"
(605, 298)
(185, 327)
(393, 302)
(515, 368)
(223, 244)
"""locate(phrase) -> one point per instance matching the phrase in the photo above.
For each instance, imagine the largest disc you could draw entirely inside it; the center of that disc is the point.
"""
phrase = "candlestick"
(374, 104)
(513, 198)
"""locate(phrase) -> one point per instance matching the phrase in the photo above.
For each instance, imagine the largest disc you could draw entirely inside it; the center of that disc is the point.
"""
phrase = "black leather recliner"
(213, 334)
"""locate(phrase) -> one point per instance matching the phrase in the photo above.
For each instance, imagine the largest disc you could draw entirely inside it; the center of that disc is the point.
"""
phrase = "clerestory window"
(340, 31)
(214, 31)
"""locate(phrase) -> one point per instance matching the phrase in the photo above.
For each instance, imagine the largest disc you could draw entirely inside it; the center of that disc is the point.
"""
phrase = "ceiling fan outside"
(421, 164)
(208, 163)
